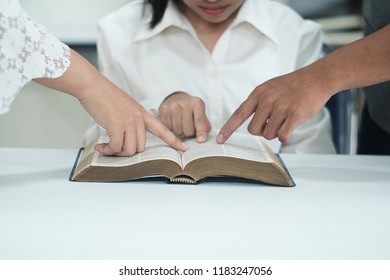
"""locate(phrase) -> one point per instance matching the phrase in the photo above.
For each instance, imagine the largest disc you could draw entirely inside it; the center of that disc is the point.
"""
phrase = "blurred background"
(44, 118)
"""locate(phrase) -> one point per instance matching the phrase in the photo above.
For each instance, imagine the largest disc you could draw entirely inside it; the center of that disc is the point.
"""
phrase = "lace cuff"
(28, 51)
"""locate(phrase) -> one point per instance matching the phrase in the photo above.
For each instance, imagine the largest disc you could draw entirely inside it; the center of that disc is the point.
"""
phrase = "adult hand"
(123, 118)
(283, 103)
(279, 106)
(185, 115)
(125, 122)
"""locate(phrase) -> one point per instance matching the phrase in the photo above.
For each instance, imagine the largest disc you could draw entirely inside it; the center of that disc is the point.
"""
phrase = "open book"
(242, 156)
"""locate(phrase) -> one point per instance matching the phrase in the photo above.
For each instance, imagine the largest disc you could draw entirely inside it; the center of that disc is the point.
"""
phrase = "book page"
(239, 145)
(155, 149)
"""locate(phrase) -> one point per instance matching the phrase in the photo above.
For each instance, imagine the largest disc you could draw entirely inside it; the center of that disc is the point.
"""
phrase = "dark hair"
(158, 7)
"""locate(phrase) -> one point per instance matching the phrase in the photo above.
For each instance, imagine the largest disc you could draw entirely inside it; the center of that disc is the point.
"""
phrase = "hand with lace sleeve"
(124, 119)
(29, 51)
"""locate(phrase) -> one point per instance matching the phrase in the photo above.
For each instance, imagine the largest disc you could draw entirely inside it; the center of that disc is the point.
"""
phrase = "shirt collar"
(172, 17)
(258, 18)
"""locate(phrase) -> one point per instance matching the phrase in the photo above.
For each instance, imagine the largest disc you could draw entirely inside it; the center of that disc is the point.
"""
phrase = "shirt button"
(214, 74)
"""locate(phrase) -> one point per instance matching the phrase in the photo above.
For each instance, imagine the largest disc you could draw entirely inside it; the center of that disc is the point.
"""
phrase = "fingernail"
(184, 146)
(220, 138)
(201, 138)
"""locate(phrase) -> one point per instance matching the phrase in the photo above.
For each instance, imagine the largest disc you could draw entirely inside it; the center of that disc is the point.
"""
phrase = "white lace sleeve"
(28, 50)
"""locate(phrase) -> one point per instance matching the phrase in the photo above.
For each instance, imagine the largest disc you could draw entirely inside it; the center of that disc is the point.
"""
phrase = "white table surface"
(340, 209)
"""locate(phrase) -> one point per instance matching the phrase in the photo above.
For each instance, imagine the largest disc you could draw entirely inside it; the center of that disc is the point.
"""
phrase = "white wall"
(73, 21)
(43, 118)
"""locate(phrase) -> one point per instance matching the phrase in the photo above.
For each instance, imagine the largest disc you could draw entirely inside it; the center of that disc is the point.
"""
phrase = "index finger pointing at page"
(158, 129)
(239, 116)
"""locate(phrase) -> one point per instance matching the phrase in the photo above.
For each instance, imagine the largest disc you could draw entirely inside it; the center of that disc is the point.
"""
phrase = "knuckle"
(280, 108)
(137, 114)
(197, 101)
(177, 130)
(163, 110)
(201, 119)
(182, 107)
(252, 130)
(115, 150)
(268, 135)
(267, 102)
(161, 130)
(141, 149)
(189, 133)
(130, 152)
(283, 137)
(239, 113)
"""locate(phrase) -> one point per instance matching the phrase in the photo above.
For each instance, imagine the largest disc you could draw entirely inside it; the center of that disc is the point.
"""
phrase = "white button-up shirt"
(266, 39)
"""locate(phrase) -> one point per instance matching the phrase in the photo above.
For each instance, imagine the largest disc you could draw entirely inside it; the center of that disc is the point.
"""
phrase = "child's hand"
(185, 115)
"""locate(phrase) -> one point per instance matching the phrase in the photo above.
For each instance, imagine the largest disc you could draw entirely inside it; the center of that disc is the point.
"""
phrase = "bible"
(242, 156)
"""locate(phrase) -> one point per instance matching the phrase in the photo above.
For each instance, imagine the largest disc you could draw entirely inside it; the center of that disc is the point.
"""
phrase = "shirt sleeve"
(28, 51)
(310, 43)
